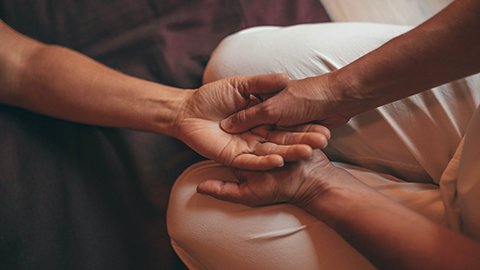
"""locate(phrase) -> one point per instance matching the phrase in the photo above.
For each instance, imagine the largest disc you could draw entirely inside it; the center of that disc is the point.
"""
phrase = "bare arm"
(390, 235)
(444, 48)
(62, 83)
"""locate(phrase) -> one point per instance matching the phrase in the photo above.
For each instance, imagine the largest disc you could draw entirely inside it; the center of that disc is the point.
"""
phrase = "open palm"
(259, 149)
(298, 183)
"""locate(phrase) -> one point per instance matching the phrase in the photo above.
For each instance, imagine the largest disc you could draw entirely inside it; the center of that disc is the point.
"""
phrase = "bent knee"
(300, 51)
(210, 234)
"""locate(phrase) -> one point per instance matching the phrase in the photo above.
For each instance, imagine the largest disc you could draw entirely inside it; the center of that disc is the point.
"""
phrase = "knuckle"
(268, 110)
(241, 84)
(235, 119)
(240, 117)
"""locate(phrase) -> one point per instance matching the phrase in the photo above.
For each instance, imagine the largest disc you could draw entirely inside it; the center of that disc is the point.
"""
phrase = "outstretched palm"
(258, 149)
(298, 183)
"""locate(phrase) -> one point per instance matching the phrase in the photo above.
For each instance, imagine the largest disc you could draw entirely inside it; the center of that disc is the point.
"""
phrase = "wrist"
(15, 51)
(321, 184)
(344, 91)
(358, 87)
(169, 105)
(340, 198)
(336, 97)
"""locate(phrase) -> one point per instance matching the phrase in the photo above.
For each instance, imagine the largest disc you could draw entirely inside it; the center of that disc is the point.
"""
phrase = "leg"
(211, 234)
(413, 138)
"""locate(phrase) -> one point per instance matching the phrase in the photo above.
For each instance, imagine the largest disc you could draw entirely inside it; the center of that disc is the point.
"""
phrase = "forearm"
(443, 49)
(390, 235)
(65, 84)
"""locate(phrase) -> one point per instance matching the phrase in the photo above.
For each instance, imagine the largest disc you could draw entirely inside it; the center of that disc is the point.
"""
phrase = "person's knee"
(179, 223)
(197, 224)
(300, 51)
(211, 234)
(236, 48)
(192, 218)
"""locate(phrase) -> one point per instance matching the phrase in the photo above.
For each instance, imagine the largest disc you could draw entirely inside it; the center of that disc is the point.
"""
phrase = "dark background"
(75, 196)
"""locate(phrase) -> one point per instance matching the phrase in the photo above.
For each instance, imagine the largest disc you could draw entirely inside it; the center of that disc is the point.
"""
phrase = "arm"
(388, 234)
(442, 49)
(59, 82)
(62, 83)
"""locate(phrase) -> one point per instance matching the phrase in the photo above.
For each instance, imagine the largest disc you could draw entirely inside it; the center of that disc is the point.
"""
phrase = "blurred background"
(75, 196)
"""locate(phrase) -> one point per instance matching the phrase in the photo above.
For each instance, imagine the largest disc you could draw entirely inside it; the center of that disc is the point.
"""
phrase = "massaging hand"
(302, 101)
(198, 126)
(298, 183)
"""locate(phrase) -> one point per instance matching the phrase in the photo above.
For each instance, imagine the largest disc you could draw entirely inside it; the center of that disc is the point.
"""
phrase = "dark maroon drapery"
(82, 197)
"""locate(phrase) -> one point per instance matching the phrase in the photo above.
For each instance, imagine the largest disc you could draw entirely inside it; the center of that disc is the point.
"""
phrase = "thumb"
(251, 117)
(223, 190)
(260, 85)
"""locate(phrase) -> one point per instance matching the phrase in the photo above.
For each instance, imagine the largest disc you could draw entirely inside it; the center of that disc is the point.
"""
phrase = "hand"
(298, 183)
(198, 126)
(302, 101)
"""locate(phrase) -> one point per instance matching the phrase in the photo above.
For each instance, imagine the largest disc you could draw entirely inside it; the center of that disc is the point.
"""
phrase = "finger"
(314, 140)
(315, 128)
(222, 190)
(316, 137)
(260, 114)
(228, 191)
(259, 84)
(288, 152)
(257, 162)
(252, 116)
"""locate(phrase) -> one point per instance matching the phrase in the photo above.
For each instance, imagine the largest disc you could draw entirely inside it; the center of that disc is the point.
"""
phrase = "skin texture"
(261, 148)
(62, 83)
(443, 49)
(302, 101)
(294, 183)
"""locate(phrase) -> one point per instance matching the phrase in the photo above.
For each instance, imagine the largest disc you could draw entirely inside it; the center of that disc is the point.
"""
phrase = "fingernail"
(280, 165)
(226, 124)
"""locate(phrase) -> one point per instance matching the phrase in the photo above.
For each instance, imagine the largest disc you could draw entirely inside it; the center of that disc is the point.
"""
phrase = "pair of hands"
(259, 147)
(227, 121)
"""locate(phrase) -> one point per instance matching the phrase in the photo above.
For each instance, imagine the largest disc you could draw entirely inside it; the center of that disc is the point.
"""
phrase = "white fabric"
(406, 12)
(211, 234)
(394, 148)
(467, 197)
(441, 114)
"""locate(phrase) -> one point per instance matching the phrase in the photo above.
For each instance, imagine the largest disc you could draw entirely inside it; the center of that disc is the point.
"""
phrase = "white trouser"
(400, 149)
